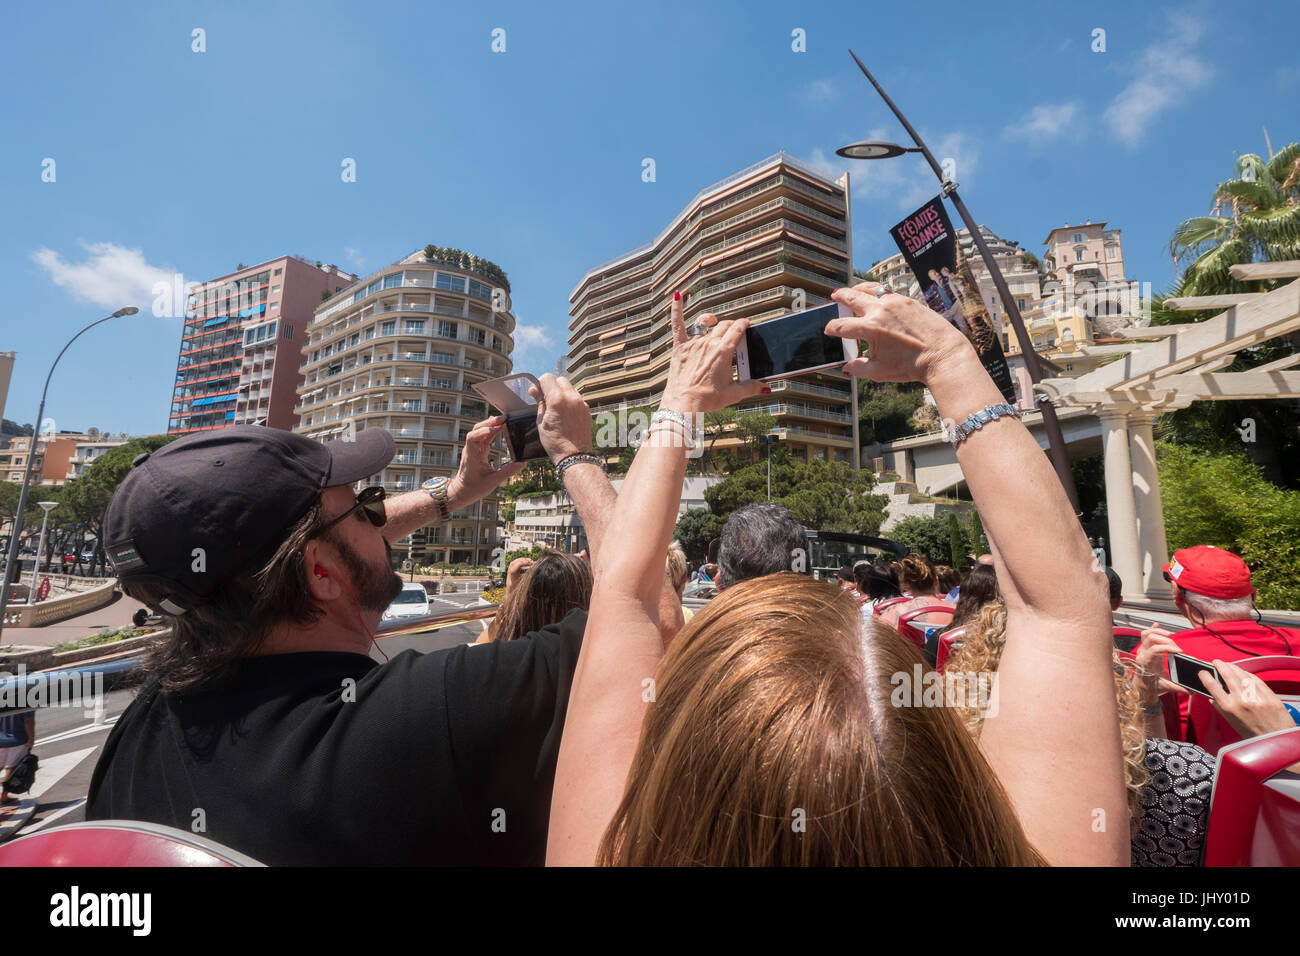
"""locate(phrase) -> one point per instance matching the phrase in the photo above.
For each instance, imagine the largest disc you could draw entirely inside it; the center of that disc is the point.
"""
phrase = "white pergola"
(1153, 377)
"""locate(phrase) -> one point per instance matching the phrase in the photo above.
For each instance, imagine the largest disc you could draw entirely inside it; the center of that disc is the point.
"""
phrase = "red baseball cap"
(1211, 571)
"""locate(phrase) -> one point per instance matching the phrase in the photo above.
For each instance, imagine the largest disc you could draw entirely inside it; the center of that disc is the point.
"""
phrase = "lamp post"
(31, 458)
(874, 149)
(47, 507)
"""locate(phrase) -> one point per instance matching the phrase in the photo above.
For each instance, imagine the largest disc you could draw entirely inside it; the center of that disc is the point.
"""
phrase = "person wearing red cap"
(1213, 591)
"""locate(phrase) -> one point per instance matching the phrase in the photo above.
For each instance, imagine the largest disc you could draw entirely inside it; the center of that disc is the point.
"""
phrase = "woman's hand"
(1156, 642)
(699, 378)
(1248, 703)
(907, 341)
(518, 568)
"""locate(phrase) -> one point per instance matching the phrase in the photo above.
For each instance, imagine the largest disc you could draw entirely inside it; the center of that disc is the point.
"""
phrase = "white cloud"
(1045, 121)
(111, 277)
(820, 91)
(905, 181)
(529, 337)
(352, 255)
(1168, 71)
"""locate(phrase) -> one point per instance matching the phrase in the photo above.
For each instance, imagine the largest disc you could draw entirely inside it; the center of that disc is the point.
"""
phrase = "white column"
(1121, 511)
(1152, 546)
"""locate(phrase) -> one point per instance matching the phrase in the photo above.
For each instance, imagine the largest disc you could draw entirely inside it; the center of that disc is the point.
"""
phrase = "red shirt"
(1247, 638)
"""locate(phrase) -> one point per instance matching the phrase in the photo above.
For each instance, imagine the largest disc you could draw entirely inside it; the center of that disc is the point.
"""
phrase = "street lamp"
(31, 458)
(47, 507)
(877, 149)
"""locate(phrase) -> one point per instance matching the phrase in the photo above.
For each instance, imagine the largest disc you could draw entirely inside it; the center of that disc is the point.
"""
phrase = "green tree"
(885, 410)
(976, 533)
(958, 544)
(1256, 218)
(715, 425)
(931, 537)
(695, 529)
(1224, 500)
(751, 426)
(826, 496)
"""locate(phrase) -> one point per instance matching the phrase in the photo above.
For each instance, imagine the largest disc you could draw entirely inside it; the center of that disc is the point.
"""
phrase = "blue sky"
(168, 160)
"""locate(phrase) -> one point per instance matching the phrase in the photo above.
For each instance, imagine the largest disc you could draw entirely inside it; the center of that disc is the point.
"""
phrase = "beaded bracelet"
(577, 458)
(978, 420)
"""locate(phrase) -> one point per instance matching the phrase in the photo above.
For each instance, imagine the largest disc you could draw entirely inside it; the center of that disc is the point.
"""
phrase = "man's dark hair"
(758, 540)
(875, 583)
(207, 640)
(1116, 586)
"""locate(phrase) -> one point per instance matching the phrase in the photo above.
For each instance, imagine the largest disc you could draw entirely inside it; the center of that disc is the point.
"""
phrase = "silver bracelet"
(1152, 710)
(668, 415)
(577, 458)
(978, 420)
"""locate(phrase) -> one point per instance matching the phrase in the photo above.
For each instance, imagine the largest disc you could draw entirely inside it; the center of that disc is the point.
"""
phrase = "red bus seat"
(949, 641)
(1255, 808)
(1211, 729)
(916, 632)
(105, 843)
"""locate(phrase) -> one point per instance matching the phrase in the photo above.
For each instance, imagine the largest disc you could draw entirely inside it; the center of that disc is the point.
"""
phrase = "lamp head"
(129, 310)
(873, 149)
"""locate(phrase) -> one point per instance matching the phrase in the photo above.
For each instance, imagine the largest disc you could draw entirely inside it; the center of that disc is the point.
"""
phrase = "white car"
(412, 602)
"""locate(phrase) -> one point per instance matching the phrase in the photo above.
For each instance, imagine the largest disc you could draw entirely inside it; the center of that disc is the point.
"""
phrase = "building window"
(444, 358)
(1078, 255)
(393, 281)
(477, 336)
(388, 328)
(451, 283)
(278, 271)
(414, 326)
(1078, 237)
(447, 330)
(275, 288)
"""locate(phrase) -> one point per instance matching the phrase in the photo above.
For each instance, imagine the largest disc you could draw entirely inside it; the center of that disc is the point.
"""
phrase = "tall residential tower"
(755, 246)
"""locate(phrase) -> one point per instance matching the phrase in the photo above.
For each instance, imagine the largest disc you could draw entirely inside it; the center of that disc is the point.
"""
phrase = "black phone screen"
(794, 343)
(522, 437)
(1185, 672)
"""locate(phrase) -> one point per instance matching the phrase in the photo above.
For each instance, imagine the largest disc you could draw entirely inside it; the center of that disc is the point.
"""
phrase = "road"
(68, 741)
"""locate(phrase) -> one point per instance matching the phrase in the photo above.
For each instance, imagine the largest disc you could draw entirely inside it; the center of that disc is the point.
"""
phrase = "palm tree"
(1256, 218)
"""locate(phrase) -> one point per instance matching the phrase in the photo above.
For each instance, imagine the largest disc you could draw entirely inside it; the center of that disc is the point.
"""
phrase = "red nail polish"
(677, 297)
(766, 390)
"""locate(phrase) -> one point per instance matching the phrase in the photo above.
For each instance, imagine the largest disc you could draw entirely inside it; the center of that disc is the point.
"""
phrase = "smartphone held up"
(511, 397)
(794, 344)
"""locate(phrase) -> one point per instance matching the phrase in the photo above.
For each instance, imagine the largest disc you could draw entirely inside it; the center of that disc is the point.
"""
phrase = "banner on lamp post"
(929, 244)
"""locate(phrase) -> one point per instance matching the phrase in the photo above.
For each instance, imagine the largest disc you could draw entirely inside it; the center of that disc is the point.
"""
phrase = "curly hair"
(981, 651)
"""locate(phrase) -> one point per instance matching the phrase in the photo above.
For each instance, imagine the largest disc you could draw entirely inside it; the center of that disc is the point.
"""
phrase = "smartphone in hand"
(794, 344)
(1185, 672)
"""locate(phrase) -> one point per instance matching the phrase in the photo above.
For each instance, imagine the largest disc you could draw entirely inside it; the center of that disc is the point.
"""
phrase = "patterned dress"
(1175, 805)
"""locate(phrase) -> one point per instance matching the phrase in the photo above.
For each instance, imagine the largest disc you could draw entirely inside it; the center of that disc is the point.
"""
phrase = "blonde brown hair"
(555, 585)
(773, 740)
(675, 567)
(916, 575)
(981, 651)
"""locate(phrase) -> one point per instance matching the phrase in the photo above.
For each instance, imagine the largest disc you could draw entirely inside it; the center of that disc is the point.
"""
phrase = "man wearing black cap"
(264, 724)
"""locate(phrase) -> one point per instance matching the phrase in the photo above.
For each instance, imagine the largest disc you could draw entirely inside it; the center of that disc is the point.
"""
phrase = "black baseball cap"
(205, 508)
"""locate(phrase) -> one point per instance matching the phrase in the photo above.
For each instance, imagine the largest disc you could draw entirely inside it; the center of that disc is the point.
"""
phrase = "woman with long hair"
(978, 590)
(554, 585)
(919, 582)
(778, 728)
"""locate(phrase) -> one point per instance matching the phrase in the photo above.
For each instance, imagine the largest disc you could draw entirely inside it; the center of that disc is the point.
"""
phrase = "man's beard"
(376, 586)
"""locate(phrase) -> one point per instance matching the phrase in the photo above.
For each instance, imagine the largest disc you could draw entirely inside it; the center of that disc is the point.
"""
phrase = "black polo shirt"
(324, 758)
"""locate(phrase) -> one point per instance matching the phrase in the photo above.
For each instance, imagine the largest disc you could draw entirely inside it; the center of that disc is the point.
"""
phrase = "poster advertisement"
(929, 244)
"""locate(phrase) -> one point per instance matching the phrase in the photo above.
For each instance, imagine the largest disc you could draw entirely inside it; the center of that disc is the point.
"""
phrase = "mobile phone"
(794, 344)
(1185, 672)
(522, 436)
(511, 396)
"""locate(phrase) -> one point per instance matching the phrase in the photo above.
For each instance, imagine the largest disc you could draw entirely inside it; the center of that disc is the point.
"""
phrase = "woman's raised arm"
(1054, 740)
(622, 645)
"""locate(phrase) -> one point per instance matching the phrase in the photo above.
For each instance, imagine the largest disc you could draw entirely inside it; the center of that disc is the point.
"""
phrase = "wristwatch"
(437, 489)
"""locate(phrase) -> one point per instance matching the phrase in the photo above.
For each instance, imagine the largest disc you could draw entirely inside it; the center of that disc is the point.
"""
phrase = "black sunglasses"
(371, 501)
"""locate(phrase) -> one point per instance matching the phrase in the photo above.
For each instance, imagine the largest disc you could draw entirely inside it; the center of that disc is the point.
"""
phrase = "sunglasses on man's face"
(371, 503)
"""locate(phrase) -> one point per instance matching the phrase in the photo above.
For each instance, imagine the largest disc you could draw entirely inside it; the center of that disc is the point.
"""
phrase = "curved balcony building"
(754, 245)
(401, 350)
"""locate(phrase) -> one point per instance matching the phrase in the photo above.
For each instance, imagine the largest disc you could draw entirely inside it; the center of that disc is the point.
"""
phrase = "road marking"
(54, 769)
(78, 731)
(54, 816)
